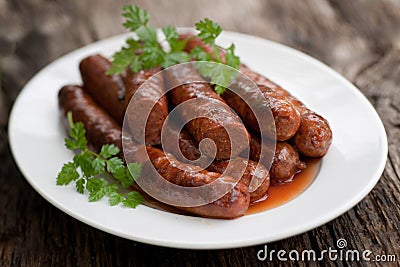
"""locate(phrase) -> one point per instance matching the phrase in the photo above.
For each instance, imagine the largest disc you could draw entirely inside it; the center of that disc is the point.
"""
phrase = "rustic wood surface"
(360, 39)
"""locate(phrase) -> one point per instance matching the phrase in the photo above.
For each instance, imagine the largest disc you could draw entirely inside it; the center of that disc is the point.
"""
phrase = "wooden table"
(360, 39)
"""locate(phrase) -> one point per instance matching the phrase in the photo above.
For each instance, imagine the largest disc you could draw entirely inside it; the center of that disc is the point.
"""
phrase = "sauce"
(280, 194)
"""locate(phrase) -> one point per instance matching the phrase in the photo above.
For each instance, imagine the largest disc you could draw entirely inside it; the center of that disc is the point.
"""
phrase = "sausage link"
(107, 90)
(287, 119)
(286, 162)
(233, 204)
(190, 151)
(314, 136)
(213, 118)
(101, 129)
(151, 98)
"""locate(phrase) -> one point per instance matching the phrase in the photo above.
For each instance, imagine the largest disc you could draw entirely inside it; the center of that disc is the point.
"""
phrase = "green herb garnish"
(89, 169)
(144, 51)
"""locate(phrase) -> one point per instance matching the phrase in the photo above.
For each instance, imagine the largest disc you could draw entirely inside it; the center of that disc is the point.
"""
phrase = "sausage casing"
(150, 98)
(314, 136)
(107, 90)
(100, 127)
(191, 152)
(208, 116)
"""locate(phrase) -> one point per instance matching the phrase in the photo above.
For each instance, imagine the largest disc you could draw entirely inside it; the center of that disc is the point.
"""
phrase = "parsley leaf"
(125, 57)
(231, 59)
(198, 53)
(67, 174)
(80, 185)
(108, 151)
(132, 199)
(145, 52)
(114, 164)
(134, 170)
(208, 30)
(135, 17)
(88, 170)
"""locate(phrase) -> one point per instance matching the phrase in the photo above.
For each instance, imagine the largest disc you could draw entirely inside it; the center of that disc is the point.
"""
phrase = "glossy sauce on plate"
(280, 194)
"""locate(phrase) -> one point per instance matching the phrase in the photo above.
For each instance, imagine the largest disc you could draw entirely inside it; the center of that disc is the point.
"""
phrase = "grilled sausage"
(102, 129)
(107, 90)
(286, 162)
(314, 135)
(191, 152)
(233, 204)
(150, 98)
(287, 119)
(208, 116)
(253, 171)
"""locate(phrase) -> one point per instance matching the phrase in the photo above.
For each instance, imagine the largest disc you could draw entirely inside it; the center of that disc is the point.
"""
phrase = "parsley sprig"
(89, 170)
(220, 74)
(144, 51)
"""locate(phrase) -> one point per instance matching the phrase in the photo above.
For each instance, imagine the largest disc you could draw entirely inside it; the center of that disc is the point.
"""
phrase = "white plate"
(349, 171)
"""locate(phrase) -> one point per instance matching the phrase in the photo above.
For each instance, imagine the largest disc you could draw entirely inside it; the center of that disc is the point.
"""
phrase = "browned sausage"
(314, 135)
(253, 171)
(233, 204)
(150, 98)
(107, 90)
(213, 118)
(286, 162)
(287, 119)
(100, 127)
(190, 151)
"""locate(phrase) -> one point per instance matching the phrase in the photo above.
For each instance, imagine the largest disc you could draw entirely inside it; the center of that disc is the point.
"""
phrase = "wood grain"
(360, 39)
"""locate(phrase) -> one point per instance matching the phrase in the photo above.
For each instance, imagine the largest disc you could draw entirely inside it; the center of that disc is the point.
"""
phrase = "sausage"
(191, 152)
(314, 136)
(101, 128)
(253, 171)
(233, 204)
(107, 90)
(208, 116)
(287, 118)
(286, 161)
(150, 98)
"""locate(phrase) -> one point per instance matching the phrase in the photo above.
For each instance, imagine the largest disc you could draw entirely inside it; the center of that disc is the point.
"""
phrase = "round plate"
(349, 171)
